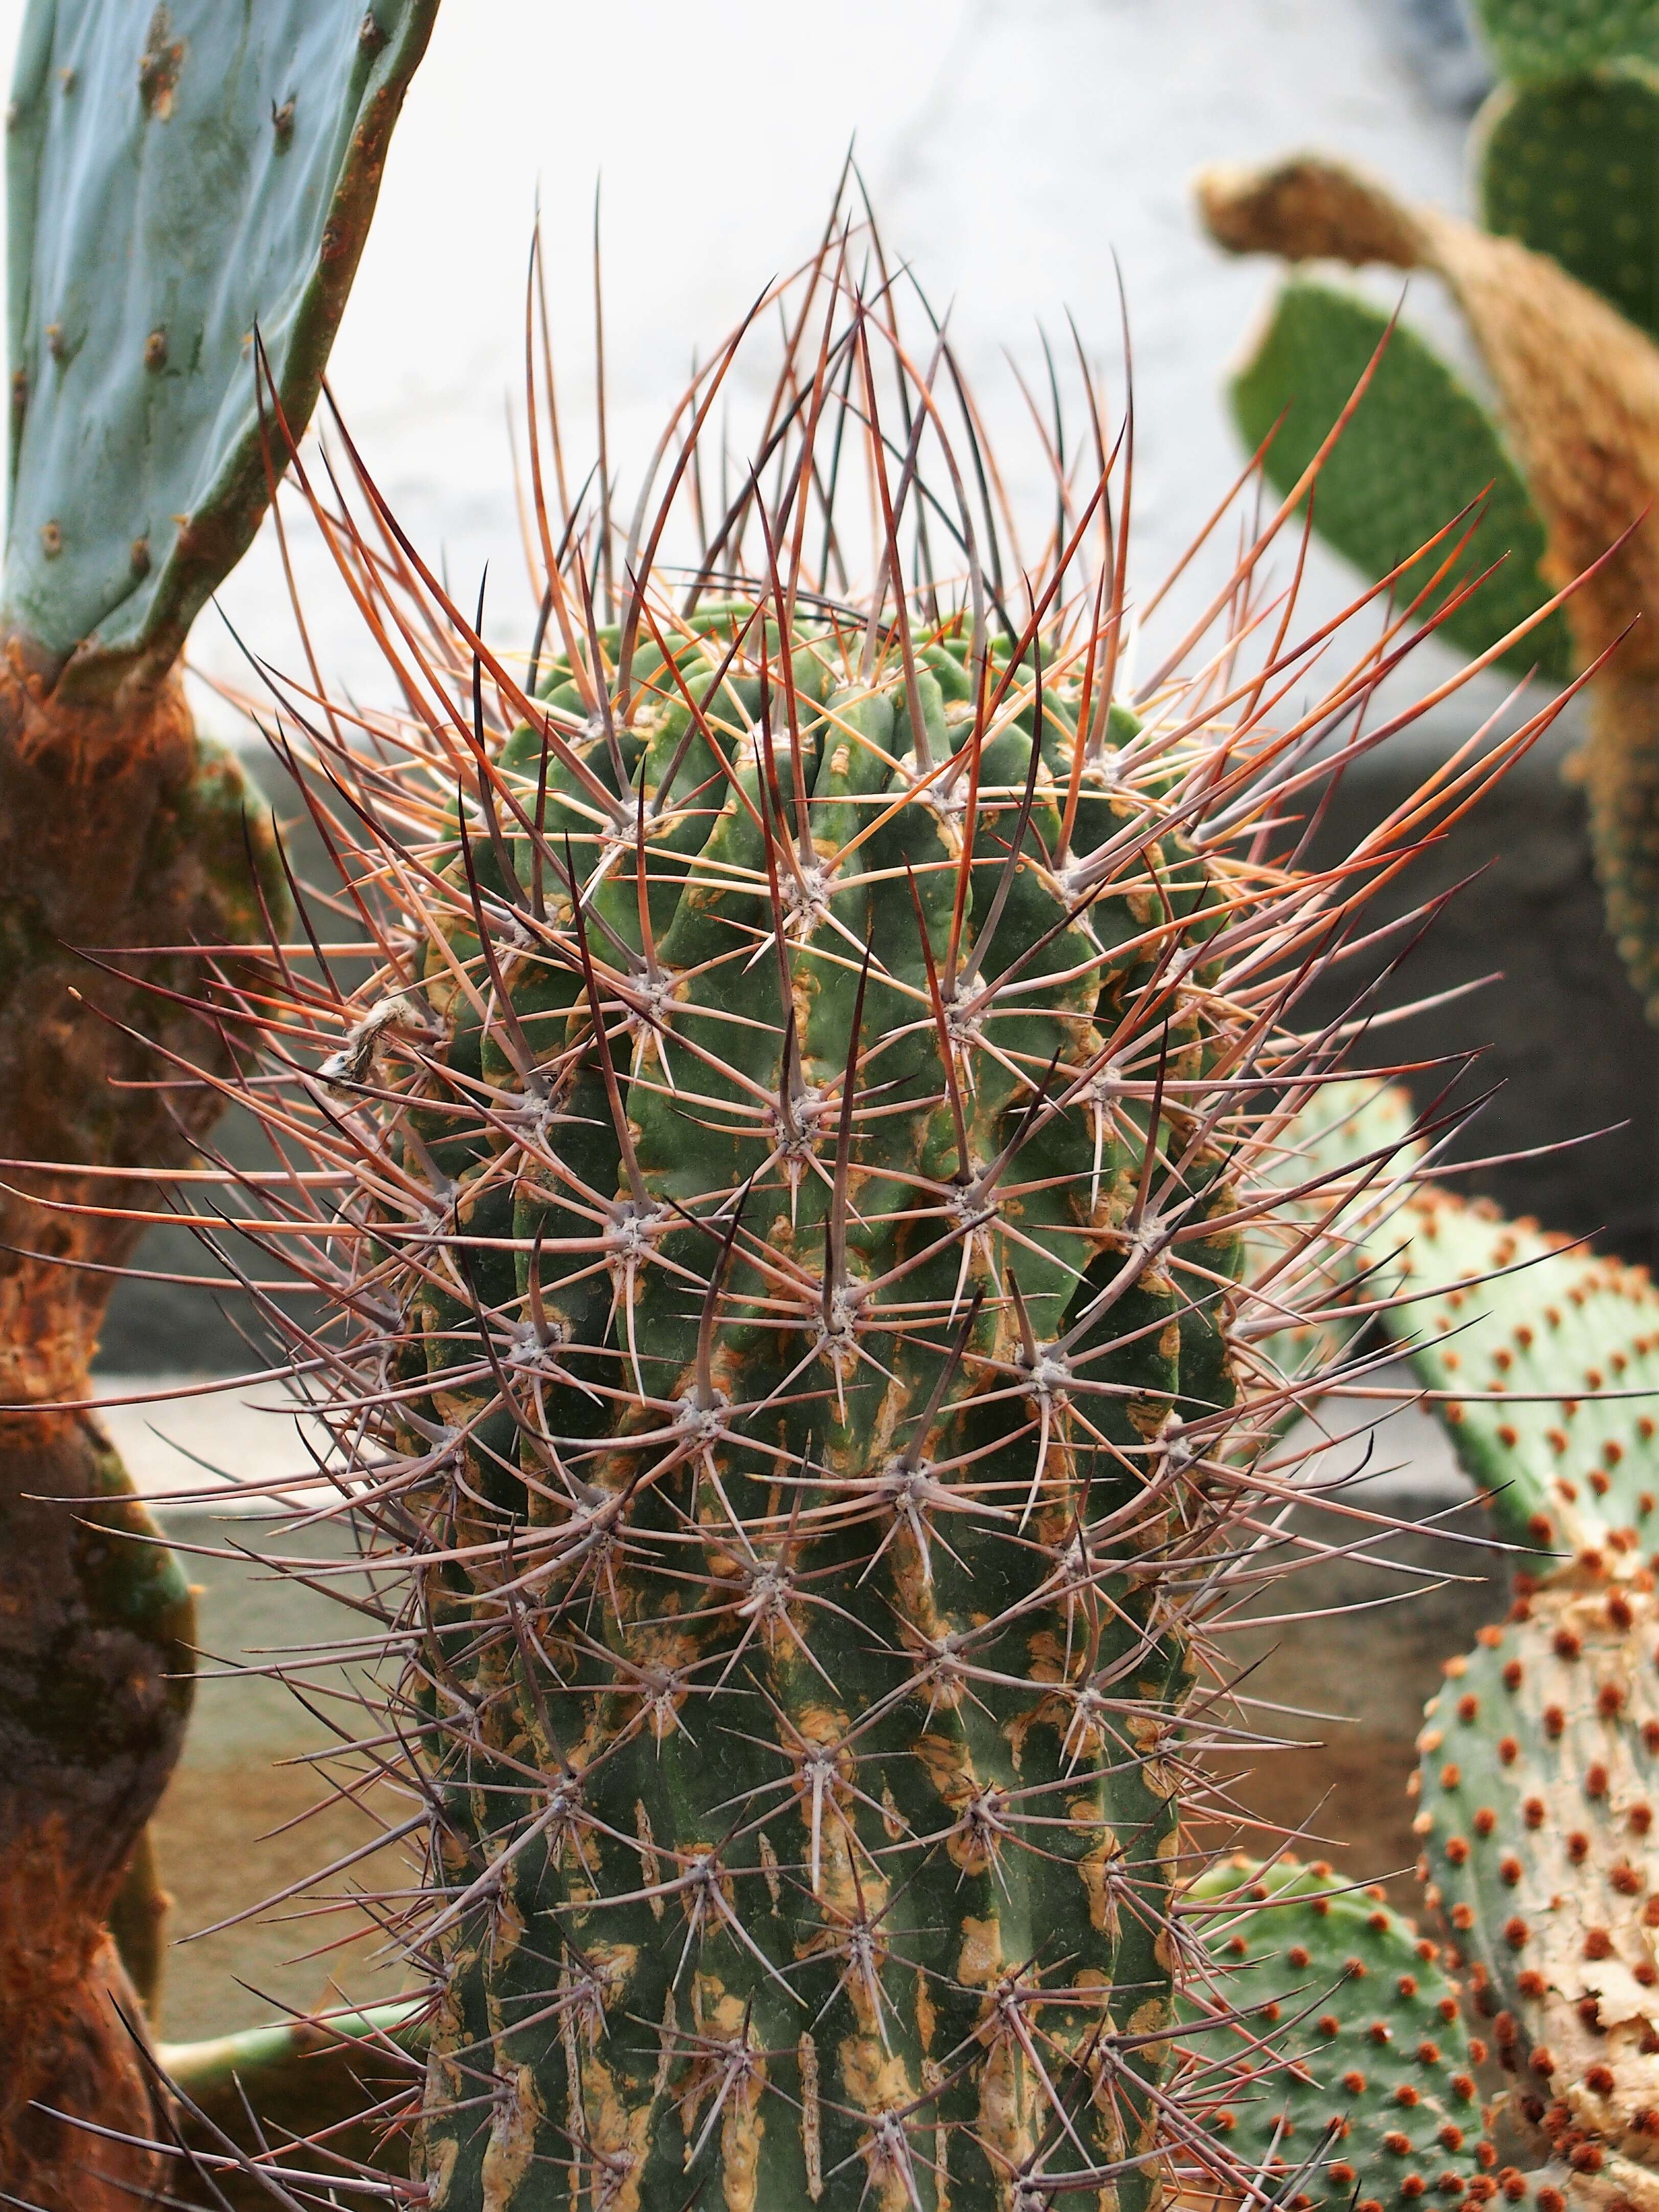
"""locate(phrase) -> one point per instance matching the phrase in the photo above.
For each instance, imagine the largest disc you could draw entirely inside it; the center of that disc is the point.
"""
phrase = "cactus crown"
(782, 1186)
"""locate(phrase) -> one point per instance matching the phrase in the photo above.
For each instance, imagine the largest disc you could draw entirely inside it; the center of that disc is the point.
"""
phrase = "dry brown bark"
(116, 829)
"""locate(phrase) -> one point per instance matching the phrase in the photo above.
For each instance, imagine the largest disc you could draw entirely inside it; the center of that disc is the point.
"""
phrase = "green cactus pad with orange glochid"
(1548, 40)
(1572, 169)
(1418, 449)
(1342, 2057)
(1546, 1357)
(1540, 1785)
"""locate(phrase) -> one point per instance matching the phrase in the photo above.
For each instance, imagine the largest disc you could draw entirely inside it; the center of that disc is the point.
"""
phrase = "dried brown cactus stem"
(1307, 208)
(118, 827)
(1579, 388)
(138, 1922)
(1578, 384)
(95, 1656)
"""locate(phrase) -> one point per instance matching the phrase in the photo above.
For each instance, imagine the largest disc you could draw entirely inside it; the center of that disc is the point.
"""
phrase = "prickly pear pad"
(1572, 169)
(1549, 40)
(175, 176)
(1350, 2064)
(1539, 1782)
(1421, 447)
(1548, 1356)
(1342, 1135)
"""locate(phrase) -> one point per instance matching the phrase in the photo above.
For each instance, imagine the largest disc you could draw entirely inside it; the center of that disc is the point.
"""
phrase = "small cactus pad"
(1539, 1780)
(1550, 39)
(1573, 170)
(1567, 1470)
(1370, 2072)
(1348, 1125)
(1419, 448)
(175, 177)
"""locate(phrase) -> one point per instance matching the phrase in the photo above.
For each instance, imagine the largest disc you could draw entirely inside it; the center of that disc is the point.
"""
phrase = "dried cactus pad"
(1573, 170)
(1565, 1473)
(1419, 448)
(174, 178)
(1557, 38)
(1366, 2088)
(1539, 1778)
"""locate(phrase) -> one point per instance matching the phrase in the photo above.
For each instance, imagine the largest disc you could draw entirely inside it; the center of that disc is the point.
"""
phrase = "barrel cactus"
(839, 1352)
(825, 1211)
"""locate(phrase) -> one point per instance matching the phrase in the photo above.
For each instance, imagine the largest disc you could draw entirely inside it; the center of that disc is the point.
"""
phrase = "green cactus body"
(1551, 38)
(1539, 1778)
(855, 1786)
(786, 1178)
(1419, 448)
(1350, 2064)
(1572, 169)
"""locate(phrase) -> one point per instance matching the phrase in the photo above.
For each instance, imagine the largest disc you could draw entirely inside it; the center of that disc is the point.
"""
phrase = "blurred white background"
(1011, 148)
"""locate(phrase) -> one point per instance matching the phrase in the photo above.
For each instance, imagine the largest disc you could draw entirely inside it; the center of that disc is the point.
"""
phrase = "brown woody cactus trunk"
(117, 828)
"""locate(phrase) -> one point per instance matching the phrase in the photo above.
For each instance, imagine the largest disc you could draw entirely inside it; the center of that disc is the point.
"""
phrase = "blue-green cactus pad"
(1343, 1153)
(1543, 1357)
(175, 174)
(1538, 1777)
(1573, 170)
(1419, 448)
